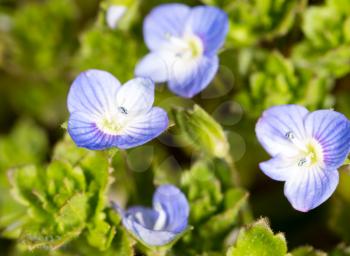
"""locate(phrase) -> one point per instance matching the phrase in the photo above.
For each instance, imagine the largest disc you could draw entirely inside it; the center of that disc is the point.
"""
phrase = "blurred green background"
(276, 52)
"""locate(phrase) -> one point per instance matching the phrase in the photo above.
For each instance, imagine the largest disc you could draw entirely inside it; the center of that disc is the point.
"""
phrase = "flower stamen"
(189, 47)
(110, 126)
(311, 150)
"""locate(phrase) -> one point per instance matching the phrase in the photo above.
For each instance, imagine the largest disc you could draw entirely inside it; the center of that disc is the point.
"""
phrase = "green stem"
(235, 176)
(246, 214)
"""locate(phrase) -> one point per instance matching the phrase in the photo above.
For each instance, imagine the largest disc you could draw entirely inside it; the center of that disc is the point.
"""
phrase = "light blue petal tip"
(163, 223)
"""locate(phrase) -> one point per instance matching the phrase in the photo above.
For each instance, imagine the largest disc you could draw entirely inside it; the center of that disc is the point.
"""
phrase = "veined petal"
(85, 133)
(143, 128)
(164, 21)
(308, 188)
(155, 66)
(332, 130)
(189, 77)
(146, 217)
(93, 92)
(148, 236)
(279, 168)
(274, 125)
(136, 96)
(211, 25)
(173, 203)
(163, 223)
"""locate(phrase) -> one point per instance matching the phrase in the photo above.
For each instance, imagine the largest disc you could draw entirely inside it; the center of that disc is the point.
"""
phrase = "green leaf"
(27, 186)
(340, 207)
(259, 240)
(66, 225)
(96, 167)
(62, 200)
(44, 236)
(224, 221)
(307, 251)
(63, 181)
(100, 234)
(123, 244)
(49, 39)
(277, 80)
(105, 56)
(26, 144)
(73, 214)
(66, 150)
(326, 46)
(341, 250)
(202, 131)
(254, 21)
(203, 190)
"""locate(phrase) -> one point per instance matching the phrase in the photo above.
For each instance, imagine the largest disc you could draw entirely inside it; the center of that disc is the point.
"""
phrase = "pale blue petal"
(136, 96)
(276, 123)
(153, 65)
(279, 168)
(148, 236)
(93, 92)
(170, 207)
(163, 22)
(84, 132)
(211, 25)
(143, 128)
(308, 188)
(174, 203)
(332, 130)
(146, 217)
(190, 78)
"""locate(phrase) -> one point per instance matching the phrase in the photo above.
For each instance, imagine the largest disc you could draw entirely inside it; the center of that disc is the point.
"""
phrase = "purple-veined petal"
(332, 130)
(188, 78)
(136, 96)
(93, 92)
(114, 14)
(211, 25)
(308, 188)
(155, 66)
(146, 217)
(143, 128)
(274, 125)
(163, 223)
(85, 133)
(279, 168)
(148, 236)
(164, 21)
(173, 203)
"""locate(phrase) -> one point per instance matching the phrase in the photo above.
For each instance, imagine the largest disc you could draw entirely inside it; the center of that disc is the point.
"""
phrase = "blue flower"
(162, 224)
(307, 148)
(183, 42)
(104, 114)
(114, 14)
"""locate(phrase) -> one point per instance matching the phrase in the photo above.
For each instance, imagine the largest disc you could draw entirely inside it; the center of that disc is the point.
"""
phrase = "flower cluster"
(306, 147)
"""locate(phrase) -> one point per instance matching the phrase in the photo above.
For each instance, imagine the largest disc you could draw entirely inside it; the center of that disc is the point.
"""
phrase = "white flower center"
(113, 124)
(188, 47)
(162, 218)
(309, 151)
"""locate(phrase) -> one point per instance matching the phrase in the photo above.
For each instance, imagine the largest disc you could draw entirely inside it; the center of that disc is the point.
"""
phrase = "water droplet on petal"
(290, 135)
